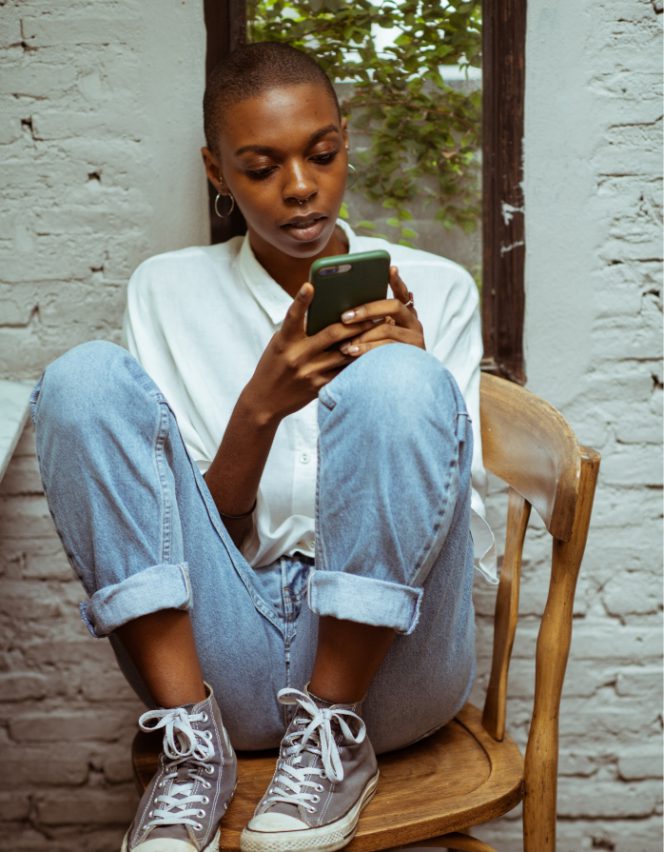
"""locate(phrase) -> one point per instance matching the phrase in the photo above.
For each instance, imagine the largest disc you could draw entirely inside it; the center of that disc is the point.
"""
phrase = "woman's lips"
(306, 228)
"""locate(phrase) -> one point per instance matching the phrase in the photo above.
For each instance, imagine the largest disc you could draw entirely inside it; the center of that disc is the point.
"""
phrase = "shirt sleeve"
(144, 334)
(458, 345)
(139, 332)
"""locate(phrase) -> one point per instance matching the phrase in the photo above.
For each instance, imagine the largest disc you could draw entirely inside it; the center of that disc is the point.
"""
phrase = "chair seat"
(453, 779)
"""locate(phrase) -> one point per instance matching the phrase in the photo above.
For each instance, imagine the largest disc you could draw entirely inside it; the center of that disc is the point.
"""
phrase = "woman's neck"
(292, 272)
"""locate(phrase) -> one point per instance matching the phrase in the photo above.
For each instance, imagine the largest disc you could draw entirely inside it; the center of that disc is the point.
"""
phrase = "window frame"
(503, 219)
(503, 213)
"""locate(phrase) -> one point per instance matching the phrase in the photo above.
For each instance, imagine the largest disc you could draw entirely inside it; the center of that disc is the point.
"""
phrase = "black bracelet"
(238, 517)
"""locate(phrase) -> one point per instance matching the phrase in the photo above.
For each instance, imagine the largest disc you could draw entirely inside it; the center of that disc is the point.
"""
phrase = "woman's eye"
(260, 174)
(324, 159)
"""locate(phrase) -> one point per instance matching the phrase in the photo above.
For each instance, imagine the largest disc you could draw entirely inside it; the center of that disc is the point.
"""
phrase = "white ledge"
(14, 413)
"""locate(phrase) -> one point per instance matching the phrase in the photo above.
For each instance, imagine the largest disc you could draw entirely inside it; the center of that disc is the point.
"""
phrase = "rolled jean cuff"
(152, 589)
(364, 599)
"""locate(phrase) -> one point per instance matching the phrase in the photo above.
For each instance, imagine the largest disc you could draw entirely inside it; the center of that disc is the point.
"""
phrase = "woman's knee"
(81, 383)
(396, 380)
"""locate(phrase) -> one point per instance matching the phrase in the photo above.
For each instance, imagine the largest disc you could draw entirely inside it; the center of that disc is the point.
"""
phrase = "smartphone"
(345, 281)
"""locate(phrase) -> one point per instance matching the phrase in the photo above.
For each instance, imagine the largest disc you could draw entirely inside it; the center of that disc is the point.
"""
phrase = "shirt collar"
(272, 298)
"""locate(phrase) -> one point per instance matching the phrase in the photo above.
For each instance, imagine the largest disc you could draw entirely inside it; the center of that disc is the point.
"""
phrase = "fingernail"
(352, 350)
(344, 348)
(347, 315)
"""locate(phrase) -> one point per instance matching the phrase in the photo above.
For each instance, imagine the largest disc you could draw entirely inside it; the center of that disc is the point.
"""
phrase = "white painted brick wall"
(99, 122)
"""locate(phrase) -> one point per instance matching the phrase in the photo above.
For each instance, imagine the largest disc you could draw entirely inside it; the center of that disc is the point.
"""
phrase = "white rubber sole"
(327, 838)
(212, 846)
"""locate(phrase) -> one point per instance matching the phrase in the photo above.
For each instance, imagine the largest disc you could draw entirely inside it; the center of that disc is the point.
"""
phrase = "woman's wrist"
(255, 411)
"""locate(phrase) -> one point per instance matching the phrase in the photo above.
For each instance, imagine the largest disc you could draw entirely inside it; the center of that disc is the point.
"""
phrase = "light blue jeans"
(393, 547)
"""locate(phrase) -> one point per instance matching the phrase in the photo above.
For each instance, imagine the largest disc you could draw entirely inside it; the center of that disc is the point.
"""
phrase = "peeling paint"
(508, 210)
(507, 249)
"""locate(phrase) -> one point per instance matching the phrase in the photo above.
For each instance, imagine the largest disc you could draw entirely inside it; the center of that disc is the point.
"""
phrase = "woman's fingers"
(387, 332)
(373, 311)
(293, 325)
(335, 334)
(330, 360)
(397, 286)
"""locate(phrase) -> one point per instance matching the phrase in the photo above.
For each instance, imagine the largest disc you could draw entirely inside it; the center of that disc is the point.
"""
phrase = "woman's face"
(282, 154)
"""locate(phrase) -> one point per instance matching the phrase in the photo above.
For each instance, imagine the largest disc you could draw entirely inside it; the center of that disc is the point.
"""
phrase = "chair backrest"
(529, 445)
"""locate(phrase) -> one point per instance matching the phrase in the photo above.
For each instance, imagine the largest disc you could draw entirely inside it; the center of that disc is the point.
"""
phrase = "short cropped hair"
(250, 70)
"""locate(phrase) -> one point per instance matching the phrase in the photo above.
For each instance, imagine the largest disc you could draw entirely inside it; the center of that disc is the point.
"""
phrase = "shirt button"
(305, 458)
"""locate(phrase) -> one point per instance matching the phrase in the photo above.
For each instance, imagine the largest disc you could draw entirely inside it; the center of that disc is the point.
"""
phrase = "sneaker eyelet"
(319, 788)
(207, 785)
(151, 814)
(201, 814)
(311, 810)
(207, 735)
(205, 718)
(198, 826)
(205, 800)
(209, 770)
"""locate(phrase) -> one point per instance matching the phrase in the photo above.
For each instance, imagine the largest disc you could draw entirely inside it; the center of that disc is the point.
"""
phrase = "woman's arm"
(236, 469)
(291, 371)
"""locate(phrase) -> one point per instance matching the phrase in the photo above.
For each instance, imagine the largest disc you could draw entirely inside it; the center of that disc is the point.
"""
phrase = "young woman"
(273, 529)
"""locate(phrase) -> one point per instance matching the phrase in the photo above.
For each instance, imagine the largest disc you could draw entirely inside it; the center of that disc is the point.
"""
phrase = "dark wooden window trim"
(226, 28)
(503, 86)
(503, 63)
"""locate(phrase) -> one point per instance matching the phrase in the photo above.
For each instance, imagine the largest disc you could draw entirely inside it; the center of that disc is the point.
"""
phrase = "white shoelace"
(182, 742)
(294, 783)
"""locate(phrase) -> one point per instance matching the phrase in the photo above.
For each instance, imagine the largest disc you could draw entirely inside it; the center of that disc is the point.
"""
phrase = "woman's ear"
(344, 131)
(212, 169)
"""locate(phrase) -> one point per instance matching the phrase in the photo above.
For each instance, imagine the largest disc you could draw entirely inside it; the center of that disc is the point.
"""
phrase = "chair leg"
(553, 641)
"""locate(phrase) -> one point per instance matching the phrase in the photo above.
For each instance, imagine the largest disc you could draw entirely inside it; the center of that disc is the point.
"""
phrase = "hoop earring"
(230, 209)
(352, 176)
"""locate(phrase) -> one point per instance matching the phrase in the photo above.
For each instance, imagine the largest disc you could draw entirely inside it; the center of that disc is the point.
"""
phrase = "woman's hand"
(392, 321)
(294, 366)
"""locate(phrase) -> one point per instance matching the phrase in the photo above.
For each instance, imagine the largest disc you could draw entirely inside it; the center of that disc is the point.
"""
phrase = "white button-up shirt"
(198, 320)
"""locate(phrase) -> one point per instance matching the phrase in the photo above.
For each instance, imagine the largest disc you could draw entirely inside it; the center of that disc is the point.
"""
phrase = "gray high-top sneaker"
(326, 773)
(182, 806)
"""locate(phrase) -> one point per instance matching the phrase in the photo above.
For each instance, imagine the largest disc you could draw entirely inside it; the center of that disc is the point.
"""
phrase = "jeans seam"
(426, 548)
(166, 508)
(321, 558)
(217, 525)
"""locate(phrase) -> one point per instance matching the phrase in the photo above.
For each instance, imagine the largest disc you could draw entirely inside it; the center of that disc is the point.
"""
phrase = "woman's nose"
(300, 185)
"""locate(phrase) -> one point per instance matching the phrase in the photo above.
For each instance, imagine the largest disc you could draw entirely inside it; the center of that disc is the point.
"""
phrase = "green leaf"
(420, 135)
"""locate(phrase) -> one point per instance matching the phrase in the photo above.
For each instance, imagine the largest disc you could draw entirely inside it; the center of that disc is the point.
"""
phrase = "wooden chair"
(470, 772)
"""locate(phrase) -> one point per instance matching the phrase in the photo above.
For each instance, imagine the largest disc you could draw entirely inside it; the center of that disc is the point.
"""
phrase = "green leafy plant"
(422, 133)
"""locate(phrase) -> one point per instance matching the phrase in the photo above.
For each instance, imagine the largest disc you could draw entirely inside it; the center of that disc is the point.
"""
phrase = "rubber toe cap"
(275, 822)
